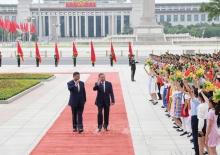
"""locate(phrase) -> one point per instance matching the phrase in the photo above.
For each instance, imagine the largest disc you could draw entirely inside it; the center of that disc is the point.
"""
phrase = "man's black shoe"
(99, 129)
(80, 130)
(74, 130)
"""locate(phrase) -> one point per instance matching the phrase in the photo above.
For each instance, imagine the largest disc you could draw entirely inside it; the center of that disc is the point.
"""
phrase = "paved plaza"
(25, 121)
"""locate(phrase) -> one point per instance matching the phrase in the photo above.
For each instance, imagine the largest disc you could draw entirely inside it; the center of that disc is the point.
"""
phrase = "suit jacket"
(104, 97)
(76, 97)
(133, 64)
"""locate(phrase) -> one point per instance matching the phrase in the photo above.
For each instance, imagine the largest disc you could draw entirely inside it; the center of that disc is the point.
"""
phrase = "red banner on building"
(81, 4)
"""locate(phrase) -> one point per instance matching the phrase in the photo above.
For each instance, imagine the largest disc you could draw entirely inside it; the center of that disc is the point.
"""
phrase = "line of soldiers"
(132, 62)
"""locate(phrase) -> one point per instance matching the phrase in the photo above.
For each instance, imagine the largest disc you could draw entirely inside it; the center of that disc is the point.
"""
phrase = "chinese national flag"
(113, 53)
(37, 52)
(75, 52)
(130, 49)
(57, 53)
(20, 52)
(93, 57)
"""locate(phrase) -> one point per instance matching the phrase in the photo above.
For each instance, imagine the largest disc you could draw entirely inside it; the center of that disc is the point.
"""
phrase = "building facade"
(57, 20)
(54, 19)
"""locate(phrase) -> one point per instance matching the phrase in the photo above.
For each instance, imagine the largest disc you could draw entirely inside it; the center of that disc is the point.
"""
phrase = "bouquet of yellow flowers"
(216, 96)
(149, 62)
(178, 75)
(208, 86)
(199, 72)
(162, 72)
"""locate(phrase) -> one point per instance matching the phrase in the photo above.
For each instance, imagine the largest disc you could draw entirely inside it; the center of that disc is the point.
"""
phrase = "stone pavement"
(25, 121)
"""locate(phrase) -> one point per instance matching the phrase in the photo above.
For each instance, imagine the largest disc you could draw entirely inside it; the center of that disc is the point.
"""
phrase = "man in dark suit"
(76, 101)
(105, 98)
(133, 67)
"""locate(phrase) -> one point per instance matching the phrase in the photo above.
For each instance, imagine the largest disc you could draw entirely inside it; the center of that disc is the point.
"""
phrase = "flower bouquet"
(208, 86)
(149, 62)
(216, 96)
(178, 75)
(172, 68)
(189, 77)
(199, 72)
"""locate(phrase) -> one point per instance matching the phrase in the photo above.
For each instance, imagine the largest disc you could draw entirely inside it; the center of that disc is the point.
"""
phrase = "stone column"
(58, 28)
(94, 24)
(103, 24)
(80, 27)
(67, 26)
(49, 26)
(122, 22)
(113, 24)
(73, 27)
(77, 26)
(86, 25)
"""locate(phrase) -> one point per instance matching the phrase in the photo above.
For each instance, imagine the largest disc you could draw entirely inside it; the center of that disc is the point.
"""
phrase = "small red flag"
(20, 52)
(13, 27)
(32, 28)
(113, 53)
(57, 52)
(93, 57)
(75, 52)
(130, 49)
(37, 52)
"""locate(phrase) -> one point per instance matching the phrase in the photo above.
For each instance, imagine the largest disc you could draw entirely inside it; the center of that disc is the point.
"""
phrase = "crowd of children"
(189, 87)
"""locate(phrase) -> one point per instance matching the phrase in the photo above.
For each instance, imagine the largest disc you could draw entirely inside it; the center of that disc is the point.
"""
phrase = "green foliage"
(200, 30)
(25, 76)
(212, 8)
(9, 88)
(15, 83)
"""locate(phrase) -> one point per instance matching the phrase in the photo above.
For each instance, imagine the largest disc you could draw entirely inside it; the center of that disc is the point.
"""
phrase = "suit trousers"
(106, 109)
(194, 124)
(132, 74)
(77, 118)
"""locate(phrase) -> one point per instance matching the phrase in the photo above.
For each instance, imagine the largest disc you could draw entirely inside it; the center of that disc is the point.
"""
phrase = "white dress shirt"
(77, 85)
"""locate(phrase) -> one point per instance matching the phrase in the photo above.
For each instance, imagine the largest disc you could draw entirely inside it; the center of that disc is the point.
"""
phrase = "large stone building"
(54, 18)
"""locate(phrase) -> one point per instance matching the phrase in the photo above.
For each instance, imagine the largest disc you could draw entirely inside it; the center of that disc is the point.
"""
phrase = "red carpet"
(60, 140)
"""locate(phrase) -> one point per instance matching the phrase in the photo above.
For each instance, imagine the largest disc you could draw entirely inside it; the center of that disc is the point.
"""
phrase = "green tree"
(212, 8)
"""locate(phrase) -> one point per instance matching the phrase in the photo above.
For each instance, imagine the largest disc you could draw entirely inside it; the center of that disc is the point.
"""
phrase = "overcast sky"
(169, 1)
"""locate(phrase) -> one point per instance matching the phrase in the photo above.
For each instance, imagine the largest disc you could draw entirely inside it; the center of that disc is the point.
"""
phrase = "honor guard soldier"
(19, 60)
(0, 59)
(56, 60)
(133, 67)
(129, 59)
(37, 61)
(111, 60)
(74, 60)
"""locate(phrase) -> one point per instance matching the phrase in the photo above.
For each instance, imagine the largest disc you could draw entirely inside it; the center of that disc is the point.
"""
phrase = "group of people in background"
(189, 87)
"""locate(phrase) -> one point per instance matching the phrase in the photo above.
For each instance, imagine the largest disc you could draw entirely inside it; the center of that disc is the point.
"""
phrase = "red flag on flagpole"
(113, 53)
(93, 57)
(75, 52)
(57, 52)
(130, 49)
(37, 52)
(20, 52)
(32, 28)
